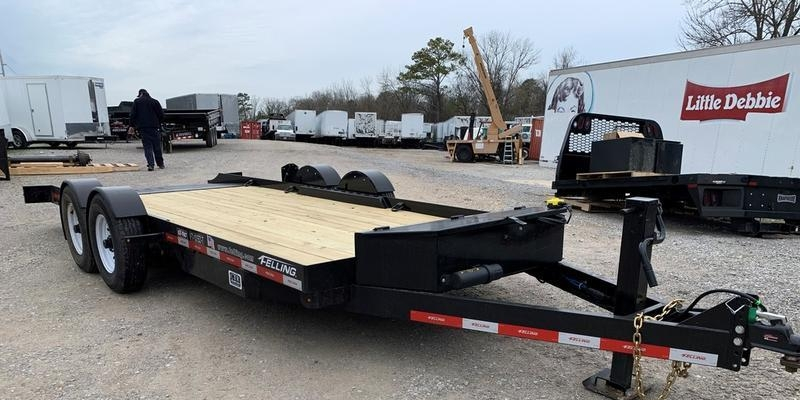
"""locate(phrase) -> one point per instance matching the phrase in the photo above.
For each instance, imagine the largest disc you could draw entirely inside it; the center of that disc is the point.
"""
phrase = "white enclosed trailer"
(731, 107)
(412, 127)
(305, 124)
(332, 125)
(4, 121)
(55, 109)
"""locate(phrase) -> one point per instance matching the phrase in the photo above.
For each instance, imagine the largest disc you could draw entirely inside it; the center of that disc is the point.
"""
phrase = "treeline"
(440, 83)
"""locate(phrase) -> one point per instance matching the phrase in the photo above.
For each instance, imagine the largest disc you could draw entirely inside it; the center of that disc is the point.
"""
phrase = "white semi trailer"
(412, 129)
(305, 124)
(366, 129)
(332, 126)
(732, 107)
(55, 109)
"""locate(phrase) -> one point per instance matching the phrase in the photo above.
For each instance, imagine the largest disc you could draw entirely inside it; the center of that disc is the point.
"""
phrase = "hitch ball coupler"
(790, 363)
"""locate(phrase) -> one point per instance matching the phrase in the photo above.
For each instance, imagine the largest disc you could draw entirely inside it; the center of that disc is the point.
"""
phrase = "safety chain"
(679, 369)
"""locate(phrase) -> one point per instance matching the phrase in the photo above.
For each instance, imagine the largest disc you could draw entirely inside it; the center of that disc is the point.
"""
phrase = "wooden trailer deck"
(302, 229)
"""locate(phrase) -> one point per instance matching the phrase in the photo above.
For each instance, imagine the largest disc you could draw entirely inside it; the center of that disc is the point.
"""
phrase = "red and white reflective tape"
(592, 342)
(235, 261)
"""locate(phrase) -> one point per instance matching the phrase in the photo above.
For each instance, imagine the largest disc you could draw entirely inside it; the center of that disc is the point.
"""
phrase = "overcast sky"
(290, 48)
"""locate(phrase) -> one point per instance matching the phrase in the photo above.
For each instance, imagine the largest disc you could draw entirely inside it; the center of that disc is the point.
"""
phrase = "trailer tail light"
(752, 184)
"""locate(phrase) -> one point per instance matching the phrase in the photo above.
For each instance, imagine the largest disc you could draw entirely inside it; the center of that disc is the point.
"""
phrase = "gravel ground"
(64, 334)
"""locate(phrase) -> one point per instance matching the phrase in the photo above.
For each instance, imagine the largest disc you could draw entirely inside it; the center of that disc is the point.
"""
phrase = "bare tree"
(710, 23)
(506, 59)
(567, 58)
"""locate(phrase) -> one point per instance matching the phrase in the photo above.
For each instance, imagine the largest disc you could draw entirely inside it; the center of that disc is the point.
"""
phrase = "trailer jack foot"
(601, 384)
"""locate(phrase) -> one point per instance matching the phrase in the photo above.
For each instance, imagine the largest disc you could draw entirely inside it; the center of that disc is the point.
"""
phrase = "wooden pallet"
(613, 174)
(594, 206)
(56, 168)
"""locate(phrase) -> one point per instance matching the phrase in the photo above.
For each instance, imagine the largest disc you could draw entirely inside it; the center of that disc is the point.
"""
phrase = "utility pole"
(2, 65)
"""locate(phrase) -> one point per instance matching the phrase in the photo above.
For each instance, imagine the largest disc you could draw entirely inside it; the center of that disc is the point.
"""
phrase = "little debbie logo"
(703, 103)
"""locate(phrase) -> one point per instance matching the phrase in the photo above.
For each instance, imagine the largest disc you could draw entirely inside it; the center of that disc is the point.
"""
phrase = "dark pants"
(151, 141)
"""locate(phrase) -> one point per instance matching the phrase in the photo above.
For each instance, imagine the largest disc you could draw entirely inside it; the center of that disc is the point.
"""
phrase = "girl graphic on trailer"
(568, 97)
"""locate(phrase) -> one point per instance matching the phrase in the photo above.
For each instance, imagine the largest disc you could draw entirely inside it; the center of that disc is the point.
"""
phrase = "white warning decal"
(235, 280)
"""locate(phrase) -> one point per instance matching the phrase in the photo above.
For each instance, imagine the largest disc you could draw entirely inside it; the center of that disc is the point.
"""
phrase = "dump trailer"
(347, 242)
(226, 103)
(205, 125)
(598, 169)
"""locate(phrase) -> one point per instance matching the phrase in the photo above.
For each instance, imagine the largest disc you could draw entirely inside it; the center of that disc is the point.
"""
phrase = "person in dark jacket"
(147, 116)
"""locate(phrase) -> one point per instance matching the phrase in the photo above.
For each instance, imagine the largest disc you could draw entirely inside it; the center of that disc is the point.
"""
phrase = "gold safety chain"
(679, 369)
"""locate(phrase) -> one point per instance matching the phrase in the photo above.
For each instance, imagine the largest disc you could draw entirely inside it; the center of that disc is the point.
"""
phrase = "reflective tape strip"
(236, 261)
(694, 357)
(592, 342)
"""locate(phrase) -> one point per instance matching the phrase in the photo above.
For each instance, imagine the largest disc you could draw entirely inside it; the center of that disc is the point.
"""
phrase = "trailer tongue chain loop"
(679, 369)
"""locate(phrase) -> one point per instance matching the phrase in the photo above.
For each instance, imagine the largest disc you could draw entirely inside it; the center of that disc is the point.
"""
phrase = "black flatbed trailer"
(752, 204)
(349, 243)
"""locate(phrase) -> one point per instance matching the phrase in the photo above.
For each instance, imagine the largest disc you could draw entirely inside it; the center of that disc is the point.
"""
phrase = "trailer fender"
(83, 188)
(369, 181)
(313, 175)
(122, 201)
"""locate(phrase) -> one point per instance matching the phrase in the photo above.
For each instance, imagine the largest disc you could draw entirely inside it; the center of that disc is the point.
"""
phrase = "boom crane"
(496, 133)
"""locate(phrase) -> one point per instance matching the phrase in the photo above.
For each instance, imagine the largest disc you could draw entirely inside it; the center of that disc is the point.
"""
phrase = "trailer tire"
(209, 140)
(19, 140)
(120, 263)
(524, 153)
(74, 224)
(54, 144)
(72, 145)
(464, 153)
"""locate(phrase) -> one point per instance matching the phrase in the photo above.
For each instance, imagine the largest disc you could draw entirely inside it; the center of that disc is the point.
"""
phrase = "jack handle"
(660, 235)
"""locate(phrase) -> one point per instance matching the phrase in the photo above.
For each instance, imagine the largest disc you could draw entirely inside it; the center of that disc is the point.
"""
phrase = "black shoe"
(161, 166)
(149, 168)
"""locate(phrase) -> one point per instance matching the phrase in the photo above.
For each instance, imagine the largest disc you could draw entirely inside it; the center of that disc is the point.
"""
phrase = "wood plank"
(594, 206)
(223, 231)
(261, 223)
(298, 228)
(61, 169)
(613, 174)
(306, 206)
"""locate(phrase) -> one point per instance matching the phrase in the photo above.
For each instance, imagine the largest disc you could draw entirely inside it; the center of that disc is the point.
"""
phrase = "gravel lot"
(64, 334)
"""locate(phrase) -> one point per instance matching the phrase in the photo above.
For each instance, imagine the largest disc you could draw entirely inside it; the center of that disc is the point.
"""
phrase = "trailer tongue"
(347, 242)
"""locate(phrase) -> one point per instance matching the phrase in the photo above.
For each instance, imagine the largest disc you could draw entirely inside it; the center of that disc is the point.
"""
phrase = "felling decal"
(704, 103)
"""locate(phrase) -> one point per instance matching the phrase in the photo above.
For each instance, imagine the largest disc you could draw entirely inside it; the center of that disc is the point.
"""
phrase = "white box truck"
(55, 109)
(731, 107)
(332, 126)
(412, 129)
(305, 124)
